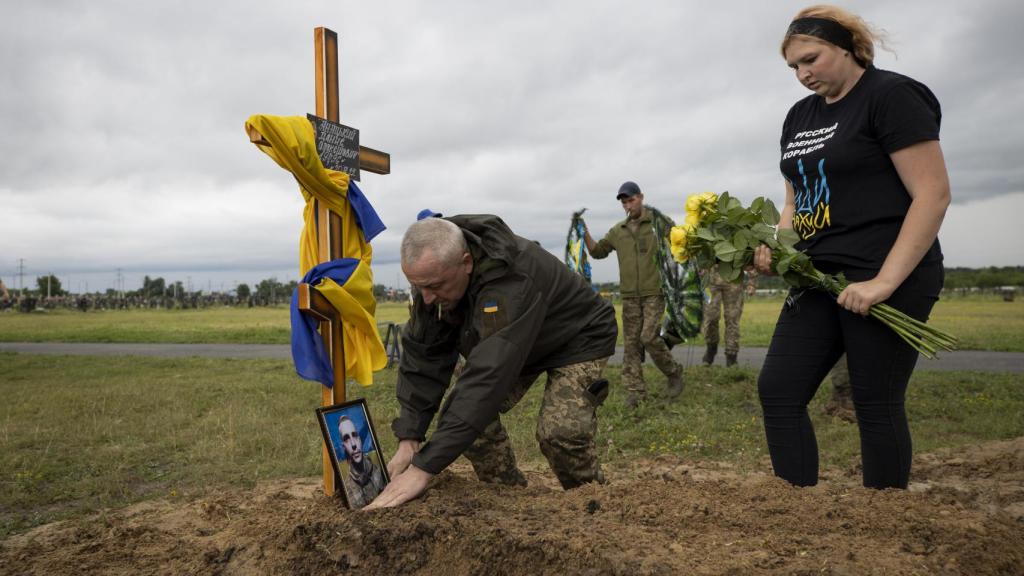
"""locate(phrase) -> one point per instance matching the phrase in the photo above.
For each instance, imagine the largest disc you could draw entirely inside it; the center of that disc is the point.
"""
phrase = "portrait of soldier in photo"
(362, 477)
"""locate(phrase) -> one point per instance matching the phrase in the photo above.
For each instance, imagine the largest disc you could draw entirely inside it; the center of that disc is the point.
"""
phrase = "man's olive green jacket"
(638, 266)
(524, 312)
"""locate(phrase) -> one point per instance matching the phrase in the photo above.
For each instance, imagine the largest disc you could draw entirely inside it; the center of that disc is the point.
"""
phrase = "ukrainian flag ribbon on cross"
(346, 282)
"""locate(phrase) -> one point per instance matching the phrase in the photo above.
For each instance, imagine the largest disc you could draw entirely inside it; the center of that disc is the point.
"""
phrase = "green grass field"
(981, 323)
(78, 434)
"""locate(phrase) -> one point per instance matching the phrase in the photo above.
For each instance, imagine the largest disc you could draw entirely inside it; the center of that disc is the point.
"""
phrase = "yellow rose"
(678, 240)
(691, 221)
(709, 197)
(677, 235)
(693, 203)
(679, 254)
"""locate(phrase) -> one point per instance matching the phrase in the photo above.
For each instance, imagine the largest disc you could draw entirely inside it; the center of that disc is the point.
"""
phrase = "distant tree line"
(985, 278)
(157, 293)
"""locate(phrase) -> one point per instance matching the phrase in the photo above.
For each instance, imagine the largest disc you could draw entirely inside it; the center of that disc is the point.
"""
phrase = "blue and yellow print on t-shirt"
(811, 201)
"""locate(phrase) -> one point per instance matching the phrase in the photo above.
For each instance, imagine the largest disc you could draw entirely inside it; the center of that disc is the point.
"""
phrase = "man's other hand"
(403, 457)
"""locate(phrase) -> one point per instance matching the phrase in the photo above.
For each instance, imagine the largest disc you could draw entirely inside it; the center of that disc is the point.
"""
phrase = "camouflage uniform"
(641, 322)
(643, 304)
(727, 296)
(565, 430)
(359, 495)
(841, 403)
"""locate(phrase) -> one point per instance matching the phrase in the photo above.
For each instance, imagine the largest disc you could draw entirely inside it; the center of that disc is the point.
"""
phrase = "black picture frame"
(357, 487)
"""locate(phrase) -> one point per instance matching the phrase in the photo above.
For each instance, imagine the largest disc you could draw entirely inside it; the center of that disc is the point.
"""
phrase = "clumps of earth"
(963, 514)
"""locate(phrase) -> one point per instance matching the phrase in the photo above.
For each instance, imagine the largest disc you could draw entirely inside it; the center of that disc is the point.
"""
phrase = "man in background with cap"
(643, 303)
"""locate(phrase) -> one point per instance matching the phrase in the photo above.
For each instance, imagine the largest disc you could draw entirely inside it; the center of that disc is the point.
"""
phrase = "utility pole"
(21, 274)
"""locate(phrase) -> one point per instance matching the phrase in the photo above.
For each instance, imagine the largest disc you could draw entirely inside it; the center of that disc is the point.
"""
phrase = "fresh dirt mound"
(963, 514)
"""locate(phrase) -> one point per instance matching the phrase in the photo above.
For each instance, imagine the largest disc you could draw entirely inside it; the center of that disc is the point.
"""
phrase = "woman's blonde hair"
(864, 35)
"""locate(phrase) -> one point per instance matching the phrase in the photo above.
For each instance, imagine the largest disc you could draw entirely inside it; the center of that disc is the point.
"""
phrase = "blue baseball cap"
(427, 213)
(627, 190)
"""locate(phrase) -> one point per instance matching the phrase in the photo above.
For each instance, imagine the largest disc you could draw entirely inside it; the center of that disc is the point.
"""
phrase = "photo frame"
(356, 456)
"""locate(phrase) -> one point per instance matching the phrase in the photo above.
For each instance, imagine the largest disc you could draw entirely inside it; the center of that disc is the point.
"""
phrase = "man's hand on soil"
(404, 487)
(403, 456)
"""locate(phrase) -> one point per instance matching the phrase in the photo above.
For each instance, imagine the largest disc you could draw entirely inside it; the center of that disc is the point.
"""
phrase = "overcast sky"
(123, 148)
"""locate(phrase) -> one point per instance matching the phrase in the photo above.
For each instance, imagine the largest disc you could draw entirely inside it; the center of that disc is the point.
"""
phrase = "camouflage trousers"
(727, 296)
(641, 326)
(841, 390)
(565, 429)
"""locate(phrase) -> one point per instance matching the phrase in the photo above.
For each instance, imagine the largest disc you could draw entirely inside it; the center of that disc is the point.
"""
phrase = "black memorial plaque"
(337, 145)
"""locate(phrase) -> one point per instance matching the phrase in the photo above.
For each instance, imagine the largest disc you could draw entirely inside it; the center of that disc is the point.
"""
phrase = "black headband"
(828, 30)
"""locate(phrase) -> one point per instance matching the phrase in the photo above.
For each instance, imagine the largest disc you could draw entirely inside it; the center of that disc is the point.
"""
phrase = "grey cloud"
(529, 110)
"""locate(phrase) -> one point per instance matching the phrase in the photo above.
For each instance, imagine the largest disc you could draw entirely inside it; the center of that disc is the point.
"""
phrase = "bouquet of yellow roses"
(719, 230)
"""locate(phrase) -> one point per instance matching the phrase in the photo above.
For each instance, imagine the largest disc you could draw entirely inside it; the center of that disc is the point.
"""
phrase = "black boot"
(675, 384)
(730, 359)
(709, 354)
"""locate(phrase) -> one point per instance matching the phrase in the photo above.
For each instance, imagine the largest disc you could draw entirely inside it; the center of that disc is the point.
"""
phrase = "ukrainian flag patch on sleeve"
(493, 315)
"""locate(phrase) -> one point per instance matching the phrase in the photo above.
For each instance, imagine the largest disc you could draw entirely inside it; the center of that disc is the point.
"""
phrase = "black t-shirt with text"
(849, 200)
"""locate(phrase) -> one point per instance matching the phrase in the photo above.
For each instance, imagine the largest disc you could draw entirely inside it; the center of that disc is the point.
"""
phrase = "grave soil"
(963, 514)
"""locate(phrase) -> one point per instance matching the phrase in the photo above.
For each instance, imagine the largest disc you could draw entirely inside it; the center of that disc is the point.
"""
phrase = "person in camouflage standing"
(643, 303)
(513, 311)
(840, 404)
(725, 297)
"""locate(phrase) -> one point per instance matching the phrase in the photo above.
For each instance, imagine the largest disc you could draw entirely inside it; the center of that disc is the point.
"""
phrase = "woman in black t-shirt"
(866, 190)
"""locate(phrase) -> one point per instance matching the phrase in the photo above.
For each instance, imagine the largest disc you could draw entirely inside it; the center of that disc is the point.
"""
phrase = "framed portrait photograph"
(354, 450)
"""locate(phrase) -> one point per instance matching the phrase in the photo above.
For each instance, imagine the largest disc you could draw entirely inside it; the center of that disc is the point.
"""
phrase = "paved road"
(978, 361)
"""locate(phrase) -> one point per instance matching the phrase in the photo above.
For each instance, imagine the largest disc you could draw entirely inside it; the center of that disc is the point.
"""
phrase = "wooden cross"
(329, 237)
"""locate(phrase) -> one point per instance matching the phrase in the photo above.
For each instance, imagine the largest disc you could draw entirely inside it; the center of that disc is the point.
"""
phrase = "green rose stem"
(924, 338)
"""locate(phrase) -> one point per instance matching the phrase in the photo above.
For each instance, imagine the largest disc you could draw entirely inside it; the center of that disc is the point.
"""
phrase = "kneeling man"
(513, 311)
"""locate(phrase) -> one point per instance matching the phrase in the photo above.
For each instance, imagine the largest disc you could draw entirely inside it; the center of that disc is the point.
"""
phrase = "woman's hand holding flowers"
(719, 231)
